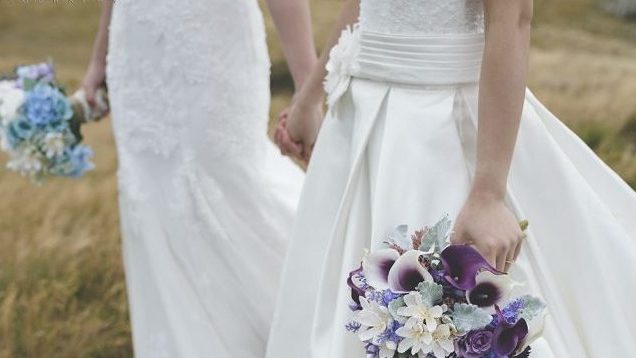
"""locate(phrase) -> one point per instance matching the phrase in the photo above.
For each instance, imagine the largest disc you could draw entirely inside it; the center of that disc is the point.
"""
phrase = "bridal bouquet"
(422, 297)
(39, 124)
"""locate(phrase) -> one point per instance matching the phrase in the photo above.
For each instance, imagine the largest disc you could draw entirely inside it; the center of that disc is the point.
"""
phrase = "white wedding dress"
(206, 200)
(398, 147)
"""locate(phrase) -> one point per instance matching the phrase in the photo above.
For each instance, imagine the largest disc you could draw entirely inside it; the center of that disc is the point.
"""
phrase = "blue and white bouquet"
(39, 125)
(422, 297)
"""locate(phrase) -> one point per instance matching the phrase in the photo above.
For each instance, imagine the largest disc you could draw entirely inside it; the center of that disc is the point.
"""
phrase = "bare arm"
(305, 116)
(313, 91)
(96, 72)
(501, 91)
(293, 23)
(485, 221)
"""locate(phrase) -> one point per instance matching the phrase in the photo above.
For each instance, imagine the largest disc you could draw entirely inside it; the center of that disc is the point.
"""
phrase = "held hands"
(298, 127)
(93, 79)
(486, 223)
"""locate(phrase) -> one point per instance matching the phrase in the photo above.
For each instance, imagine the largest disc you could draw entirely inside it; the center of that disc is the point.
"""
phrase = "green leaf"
(393, 308)
(437, 237)
(28, 84)
(532, 307)
(431, 292)
(467, 317)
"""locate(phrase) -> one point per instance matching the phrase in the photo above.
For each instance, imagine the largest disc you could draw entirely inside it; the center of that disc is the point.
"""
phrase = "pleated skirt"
(391, 154)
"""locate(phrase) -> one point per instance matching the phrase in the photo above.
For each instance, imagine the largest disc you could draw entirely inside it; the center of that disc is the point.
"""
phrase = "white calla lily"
(407, 272)
(490, 290)
(376, 266)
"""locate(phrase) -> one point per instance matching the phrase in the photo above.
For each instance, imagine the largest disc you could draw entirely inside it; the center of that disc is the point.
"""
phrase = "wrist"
(308, 96)
(98, 62)
(488, 190)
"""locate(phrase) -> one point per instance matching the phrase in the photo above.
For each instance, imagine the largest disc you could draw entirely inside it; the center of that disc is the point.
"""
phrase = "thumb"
(89, 92)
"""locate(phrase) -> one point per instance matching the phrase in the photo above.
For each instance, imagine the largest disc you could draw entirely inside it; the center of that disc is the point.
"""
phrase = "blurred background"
(62, 291)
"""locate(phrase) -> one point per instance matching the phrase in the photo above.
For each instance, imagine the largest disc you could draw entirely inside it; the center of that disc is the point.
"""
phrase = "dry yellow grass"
(62, 292)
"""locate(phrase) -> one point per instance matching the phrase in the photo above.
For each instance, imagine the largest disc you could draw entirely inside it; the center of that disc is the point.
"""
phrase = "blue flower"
(46, 105)
(18, 131)
(511, 312)
(353, 326)
(81, 157)
(389, 334)
(74, 162)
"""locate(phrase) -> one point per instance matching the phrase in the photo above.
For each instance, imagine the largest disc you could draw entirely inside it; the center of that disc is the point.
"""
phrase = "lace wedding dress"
(398, 147)
(205, 198)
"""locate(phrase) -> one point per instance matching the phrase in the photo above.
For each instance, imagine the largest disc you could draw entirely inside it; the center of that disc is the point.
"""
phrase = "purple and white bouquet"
(422, 297)
(39, 125)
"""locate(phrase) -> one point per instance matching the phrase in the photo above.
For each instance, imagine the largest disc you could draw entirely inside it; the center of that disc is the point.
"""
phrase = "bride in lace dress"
(205, 198)
(407, 88)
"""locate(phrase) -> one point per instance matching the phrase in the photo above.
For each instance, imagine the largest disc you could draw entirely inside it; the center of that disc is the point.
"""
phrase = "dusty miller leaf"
(393, 308)
(532, 307)
(468, 317)
(437, 237)
(431, 292)
(399, 236)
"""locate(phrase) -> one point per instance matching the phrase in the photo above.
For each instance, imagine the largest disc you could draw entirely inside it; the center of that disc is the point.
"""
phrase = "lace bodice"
(411, 17)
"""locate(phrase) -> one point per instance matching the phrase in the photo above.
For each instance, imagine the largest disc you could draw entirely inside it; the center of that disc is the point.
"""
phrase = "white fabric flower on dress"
(374, 319)
(418, 309)
(342, 64)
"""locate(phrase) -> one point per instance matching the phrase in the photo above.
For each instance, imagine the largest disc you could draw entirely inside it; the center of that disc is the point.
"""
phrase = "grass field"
(62, 292)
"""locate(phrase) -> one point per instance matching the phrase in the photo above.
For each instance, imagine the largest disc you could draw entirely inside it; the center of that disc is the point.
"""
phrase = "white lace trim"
(422, 16)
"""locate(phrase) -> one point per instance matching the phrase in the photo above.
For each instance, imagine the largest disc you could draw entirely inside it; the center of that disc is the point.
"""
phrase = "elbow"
(507, 16)
(524, 20)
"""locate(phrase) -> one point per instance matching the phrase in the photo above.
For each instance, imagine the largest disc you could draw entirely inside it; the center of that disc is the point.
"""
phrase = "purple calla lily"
(377, 265)
(507, 337)
(356, 290)
(462, 263)
(407, 272)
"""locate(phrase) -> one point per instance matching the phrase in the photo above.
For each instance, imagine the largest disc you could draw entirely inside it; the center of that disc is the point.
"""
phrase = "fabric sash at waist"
(420, 60)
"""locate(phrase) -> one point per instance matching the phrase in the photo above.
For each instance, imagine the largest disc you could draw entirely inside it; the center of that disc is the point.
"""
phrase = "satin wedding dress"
(205, 198)
(398, 147)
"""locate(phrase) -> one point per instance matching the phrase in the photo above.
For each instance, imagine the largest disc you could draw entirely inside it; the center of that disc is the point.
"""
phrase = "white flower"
(4, 141)
(407, 272)
(387, 350)
(374, 319)
(491, 290)
(376, 266)
(416, 337)
(443, 341)
(418, 309)
(53, 144)
(27, 162)
(11, 98)
(342, 64)
(420, 341)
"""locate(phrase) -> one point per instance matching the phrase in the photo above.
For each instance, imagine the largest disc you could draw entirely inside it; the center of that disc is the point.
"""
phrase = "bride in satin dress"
(205, 198)
(429, 114)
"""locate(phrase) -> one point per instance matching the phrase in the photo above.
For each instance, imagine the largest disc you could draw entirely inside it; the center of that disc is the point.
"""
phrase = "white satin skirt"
(399, 148)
